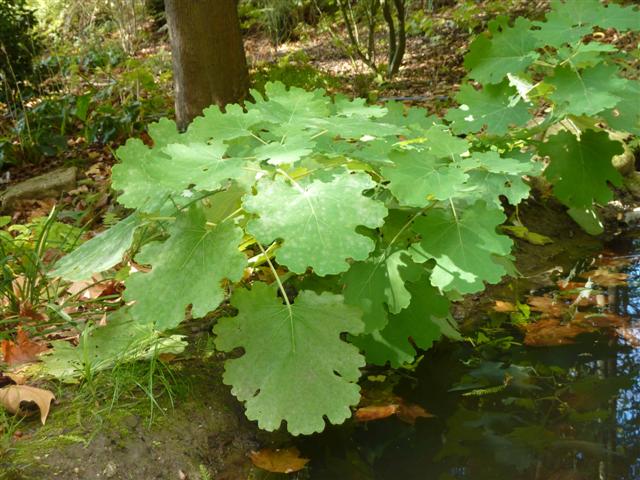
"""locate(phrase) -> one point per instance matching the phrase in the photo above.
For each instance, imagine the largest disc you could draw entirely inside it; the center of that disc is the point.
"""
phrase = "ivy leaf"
(295, 366)
(463, 244)
(588, 92)
(417, 178)
(511, 50)
(422, 323)
(496, 107)
(316, 220)
(580, 170)
(100, 253)
(214, 124)
(377, 282)
(187, 269)
(626, 114)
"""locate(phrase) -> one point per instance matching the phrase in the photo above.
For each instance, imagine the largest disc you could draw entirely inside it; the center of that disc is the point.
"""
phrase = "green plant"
(25, 251)
(370, 219)
(393, 12)
(293, 71)
(18, 45)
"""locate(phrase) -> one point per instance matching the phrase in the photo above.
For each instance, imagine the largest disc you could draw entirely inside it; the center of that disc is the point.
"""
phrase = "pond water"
(502, 410)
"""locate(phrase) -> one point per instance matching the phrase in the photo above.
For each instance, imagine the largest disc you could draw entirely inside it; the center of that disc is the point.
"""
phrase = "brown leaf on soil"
(410, 412)
(547, 306)
(23, 350)
(375, 412)
(550, 332)
(606, 278)
(281, 460)
(17, 399)
(504, 307)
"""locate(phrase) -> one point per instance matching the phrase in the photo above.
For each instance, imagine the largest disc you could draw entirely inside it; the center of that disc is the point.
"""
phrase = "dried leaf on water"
(375, 412)
(504, 307)
(606, 278)
(407, 412)
(550, 332)
(280, 460)
(17, 398)
(548, 306)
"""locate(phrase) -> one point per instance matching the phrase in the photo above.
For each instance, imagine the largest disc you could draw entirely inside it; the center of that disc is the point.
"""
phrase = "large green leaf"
(626, 114)
(587, 92)
(187, 269)
(378, 285)
(495, 107)
(463, 245)
(580, 169)
(418, 178)
(316, 220)
(149, 176)
(492, 176)
(100, 253)
(571, 20)
(214, 124)
(422, 323)
(510, 50)
(295, 366)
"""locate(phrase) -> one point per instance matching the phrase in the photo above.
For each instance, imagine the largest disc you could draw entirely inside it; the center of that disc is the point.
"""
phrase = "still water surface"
(506, 411)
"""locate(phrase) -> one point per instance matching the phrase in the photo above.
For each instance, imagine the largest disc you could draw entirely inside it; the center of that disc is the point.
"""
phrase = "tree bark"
(209, 62)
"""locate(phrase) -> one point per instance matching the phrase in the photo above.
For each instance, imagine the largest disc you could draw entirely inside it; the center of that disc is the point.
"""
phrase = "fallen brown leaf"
(550, 332)
(504, 307)
(410, 412)
(599, 320)
(375, 412)
(23, 350)
(606, 278)
(16, 399)
(547, 306)
(280, 460)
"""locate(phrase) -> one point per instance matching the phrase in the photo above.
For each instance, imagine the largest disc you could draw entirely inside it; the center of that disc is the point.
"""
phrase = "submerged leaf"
(280, 460)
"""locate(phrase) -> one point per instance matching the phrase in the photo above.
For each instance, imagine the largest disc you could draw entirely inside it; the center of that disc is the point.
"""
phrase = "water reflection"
(506, 412)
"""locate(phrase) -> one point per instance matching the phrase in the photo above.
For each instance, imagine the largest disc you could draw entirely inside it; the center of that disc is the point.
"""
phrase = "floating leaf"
(280, 460)
(522, 232)
(375, 412)
(606, 278)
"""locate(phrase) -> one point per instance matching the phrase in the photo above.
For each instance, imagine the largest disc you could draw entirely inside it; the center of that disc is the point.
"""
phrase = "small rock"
(110, 470)
(49, 185)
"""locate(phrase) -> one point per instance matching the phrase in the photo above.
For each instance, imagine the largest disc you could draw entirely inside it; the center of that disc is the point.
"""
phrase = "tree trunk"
(209, 63)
